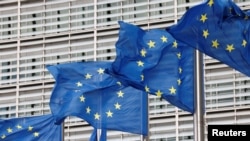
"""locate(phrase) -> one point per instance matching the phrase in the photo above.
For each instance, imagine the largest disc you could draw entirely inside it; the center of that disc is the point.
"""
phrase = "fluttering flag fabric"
(218, 28)
(84, 90)
(154, 62)
(35, 128)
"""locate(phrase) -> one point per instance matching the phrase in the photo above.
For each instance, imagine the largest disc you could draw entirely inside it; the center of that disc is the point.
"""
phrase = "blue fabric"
(84, 90)
(220, 29)
(37, 128)
(153, 61)
(102, 137)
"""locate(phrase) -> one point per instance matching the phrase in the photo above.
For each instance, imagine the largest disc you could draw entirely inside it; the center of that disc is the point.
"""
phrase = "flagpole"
(146, 138)
(199, 99)
(62, 131)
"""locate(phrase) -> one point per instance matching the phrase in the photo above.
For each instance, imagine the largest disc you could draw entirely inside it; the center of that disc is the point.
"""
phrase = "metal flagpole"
(146, 138)
(199, 124)
(62, 126)
(199, 99)
(98, 134)
(122, 137)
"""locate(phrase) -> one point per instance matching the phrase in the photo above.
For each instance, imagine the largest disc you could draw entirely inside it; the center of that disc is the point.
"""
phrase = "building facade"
(36, 33)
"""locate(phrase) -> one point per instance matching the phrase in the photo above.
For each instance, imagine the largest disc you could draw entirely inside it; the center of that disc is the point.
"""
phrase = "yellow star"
(158, 93)
(79, 84)
(140, 63)
(205, 33)
(117, 106)
(230, 48)
(88, 110)
(151, 44)
(120, 94)
(143, 53)
(178, 55)
(179, 81)
(119, 83)
(30, 128)
(142, 77)
(36, 134)
(82, 98)
(215, 44)
(109, 114)
(244, 43)
(9, 130)
(3, 136)
(88, 76)
(172, 90)
(19, 126)
(211, 2)
(164, 39)
(147, 89)
(203, 17)
(175, 44)
(100, 71)
(97, 116)
(180, 70)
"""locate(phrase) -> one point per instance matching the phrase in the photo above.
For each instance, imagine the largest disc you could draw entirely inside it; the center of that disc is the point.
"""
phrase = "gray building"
(35, 33)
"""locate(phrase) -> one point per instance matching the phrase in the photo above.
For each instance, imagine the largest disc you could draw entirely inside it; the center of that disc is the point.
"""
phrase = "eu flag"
(155, 62)
(220, 29)
(84, 90)
(36, 128)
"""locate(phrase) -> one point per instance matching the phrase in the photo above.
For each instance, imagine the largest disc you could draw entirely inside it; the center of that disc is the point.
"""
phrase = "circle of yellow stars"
(152, 44)
(82, 98)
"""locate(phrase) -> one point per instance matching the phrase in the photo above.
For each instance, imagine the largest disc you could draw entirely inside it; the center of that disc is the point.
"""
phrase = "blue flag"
(84, 90)
(37, 128)
(153, 61)
(220, 29)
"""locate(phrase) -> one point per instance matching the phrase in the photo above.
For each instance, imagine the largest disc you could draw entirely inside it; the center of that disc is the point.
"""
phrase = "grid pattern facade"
(36, 33)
